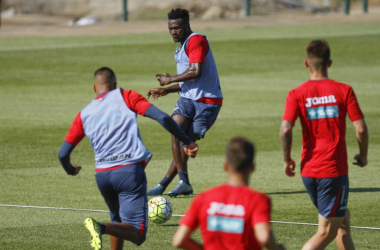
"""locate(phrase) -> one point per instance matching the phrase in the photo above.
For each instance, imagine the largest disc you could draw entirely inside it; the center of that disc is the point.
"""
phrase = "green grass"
(46, 81)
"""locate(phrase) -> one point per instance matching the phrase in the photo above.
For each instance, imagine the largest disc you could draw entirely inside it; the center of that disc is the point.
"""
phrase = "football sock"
(165, 182)
(102, 228)
(183, 176)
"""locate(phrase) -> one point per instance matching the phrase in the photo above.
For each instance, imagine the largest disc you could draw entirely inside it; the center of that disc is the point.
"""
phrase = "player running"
(232, 215)
(200, 95)
(110, 124)
(322, 105)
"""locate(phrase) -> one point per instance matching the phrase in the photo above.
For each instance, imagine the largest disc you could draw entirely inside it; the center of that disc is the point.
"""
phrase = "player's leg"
(180, 159)
(129, 210)
(182, 114)
(116, 243)
(130, 182)
(343, 239)
(330, 195)
(204, 118)
(120, 232)
(326, 233)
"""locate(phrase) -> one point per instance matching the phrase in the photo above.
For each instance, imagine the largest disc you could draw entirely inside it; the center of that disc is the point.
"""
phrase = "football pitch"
(46, 81)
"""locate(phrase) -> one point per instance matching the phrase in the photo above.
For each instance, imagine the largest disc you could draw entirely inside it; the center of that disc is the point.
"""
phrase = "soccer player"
(110, 124)
(322, 105)
(200, 100)
(231, 215)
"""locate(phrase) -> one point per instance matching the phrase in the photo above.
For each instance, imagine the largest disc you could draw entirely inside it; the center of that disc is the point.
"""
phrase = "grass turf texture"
(46, 81)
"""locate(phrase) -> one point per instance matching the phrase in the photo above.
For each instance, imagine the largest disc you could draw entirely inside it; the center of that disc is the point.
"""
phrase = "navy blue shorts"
(124, 191)
(202, 114)
(329, 195)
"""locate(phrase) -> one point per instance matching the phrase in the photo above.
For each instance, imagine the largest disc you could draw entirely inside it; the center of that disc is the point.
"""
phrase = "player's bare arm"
(194, 71)
(362, 138)
(158, 92)
(265, 237)
(286, 138)
(183, 240)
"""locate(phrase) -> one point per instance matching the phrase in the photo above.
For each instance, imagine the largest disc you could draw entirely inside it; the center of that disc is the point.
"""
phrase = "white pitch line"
(174, 215)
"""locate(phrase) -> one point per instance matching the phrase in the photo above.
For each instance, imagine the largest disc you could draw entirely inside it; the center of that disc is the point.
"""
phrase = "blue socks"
(183, 176)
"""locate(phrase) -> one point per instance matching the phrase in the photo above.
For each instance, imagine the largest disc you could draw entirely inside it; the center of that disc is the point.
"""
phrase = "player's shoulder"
(256, 193)
(130, 93)
(197, 39)
(341, 84)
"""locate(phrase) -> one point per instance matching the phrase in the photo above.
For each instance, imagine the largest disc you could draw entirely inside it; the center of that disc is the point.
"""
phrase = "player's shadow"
(289, 192)
(191, 196)
(364, 190)
(352, 190)
(170, 225)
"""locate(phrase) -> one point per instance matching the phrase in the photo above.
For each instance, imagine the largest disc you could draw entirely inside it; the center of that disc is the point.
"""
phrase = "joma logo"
(319, 100)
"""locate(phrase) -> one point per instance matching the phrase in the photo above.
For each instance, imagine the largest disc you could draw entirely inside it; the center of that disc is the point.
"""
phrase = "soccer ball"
(159, 210)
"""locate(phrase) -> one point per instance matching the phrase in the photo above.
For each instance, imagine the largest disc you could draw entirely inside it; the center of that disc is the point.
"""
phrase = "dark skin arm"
(158, 92)
(286, 138)
(194, 71)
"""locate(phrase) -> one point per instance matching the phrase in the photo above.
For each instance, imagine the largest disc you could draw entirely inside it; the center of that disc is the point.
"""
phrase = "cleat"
(181, 189)
(96, 237)
(157, 190)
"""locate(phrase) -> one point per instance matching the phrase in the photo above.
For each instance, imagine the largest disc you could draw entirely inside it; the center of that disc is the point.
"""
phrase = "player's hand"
(163, 79)
(191, 150)
(156, 93)
(289, 168)
(77, 169)
(360, 161)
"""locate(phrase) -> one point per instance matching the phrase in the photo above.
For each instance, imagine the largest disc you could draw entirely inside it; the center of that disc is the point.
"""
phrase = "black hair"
(179, 13)
(108, 73)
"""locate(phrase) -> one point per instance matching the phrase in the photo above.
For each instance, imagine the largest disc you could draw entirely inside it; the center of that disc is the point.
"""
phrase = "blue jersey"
(207, 86)
(112, 130)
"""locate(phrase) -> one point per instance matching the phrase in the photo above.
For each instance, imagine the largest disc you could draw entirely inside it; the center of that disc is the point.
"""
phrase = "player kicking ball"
(110, 123)
(197, 83)
(322, 105)
(230, 216)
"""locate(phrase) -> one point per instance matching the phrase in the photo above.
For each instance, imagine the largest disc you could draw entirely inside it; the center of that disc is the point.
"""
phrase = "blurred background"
(85, 12)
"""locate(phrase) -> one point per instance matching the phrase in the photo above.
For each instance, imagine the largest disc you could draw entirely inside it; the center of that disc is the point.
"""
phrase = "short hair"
(318, 54)
(107, 73)
(179, 13)
(240, 154)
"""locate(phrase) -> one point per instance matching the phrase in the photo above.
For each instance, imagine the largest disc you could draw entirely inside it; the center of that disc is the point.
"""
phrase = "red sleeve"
(353, 109)
(135, 102)
(191, 219)
(76, 132)
(197, 49)
(291, 108)
(261, 210)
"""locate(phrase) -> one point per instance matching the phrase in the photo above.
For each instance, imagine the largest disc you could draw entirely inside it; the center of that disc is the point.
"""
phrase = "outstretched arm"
(286, 137)
(362, 137)
(170, 125)
(194, 71)
(158, 92)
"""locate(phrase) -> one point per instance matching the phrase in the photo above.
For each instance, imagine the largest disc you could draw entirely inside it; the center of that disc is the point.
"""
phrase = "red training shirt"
(226, 216)
(322, 106)
(197, 49)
